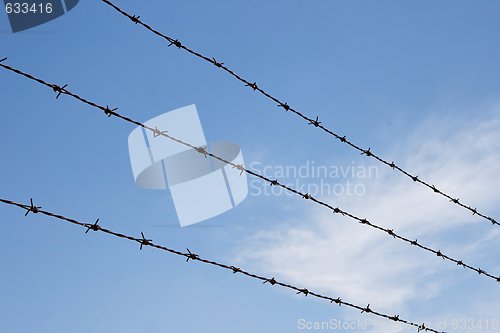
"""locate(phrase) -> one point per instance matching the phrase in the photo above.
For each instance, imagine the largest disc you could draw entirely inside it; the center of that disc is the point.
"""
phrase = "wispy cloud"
(340, 257)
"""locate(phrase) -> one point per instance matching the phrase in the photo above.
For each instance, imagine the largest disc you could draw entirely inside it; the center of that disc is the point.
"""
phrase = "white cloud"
(321, 251)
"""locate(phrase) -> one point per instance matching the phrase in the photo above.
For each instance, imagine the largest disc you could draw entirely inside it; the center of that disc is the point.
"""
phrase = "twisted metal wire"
(311, 121)
(144, 242)
(61, 90)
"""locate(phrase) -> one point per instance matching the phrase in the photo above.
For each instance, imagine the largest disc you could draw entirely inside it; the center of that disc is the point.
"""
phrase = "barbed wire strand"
(61, 90)
(253, 85)
(144, 242)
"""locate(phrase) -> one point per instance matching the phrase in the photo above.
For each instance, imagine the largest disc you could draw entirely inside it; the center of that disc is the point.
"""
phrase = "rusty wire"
(61, 90)
(144, 242)
(310, 121)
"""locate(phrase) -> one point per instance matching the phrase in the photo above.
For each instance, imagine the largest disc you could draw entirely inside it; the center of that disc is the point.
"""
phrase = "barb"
(59, 90)
(109, 112)
(194, 257)
(235, 269)
(239, 167)
(273, 182)
(202, 150)
(94, 227)
(157, 132)
(306, 118)
(143, 241)
(32, 208)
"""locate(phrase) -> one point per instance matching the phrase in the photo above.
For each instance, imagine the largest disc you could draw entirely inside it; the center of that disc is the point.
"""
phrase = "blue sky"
(416, 81)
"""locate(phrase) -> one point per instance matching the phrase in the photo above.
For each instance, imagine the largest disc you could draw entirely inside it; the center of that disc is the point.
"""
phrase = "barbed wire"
(144, 242)
(310, 121)
(61, 90)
